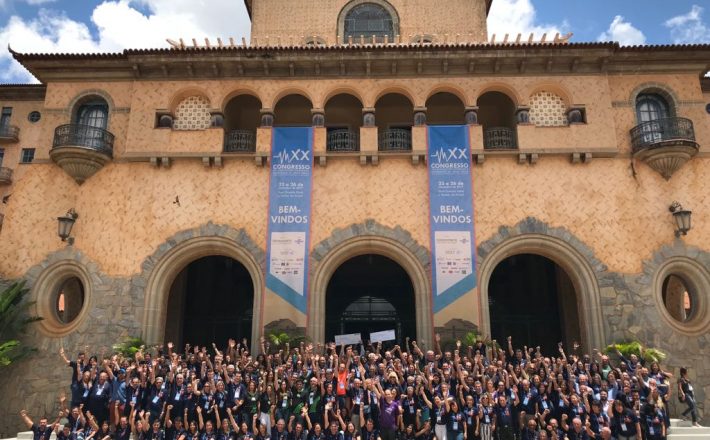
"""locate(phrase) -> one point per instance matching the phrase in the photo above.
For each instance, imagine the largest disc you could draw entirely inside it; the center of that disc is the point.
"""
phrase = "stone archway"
(370, 238)
(558, 245)
(185, 248)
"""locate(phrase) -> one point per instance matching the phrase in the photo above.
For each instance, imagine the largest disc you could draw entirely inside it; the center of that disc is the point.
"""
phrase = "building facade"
(577, 150)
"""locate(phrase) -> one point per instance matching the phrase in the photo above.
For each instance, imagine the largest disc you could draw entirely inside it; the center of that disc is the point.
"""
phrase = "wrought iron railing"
(500, 138)
(240, 141)
(654, 133)
(8, 131)
(396, 139)
(343, 141)
(85, 136)
(5, 175)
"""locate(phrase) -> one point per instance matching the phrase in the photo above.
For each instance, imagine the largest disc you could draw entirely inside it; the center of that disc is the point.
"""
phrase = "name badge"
(155, 399)
(623, 427)
(650, 430)
(86, 393)
(544, 404)
(562, 403)
(177, 395)
(456, 426)
(99, 391)
(487, 418)
(525, 401)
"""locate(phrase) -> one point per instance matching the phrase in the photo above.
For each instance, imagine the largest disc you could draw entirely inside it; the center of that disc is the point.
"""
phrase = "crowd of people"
(364, 392)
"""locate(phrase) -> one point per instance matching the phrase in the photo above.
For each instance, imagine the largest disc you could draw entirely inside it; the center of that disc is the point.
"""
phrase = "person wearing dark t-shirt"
(123, 429)
(504, 422)
(41, 431)
(369, 433)
(624, 423)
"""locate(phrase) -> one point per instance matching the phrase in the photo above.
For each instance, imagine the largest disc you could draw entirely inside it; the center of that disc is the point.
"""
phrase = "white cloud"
(519, 17)
(120, 25)
(689, 28)
(624, 32)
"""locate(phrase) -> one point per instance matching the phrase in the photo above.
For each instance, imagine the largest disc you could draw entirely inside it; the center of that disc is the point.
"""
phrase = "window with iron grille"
(366, 20)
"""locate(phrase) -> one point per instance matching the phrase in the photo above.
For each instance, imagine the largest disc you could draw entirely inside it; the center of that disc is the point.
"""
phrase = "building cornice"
(22, 92)
(402, 60)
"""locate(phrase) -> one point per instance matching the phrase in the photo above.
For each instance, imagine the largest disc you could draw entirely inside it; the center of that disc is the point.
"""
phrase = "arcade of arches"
(531, 298)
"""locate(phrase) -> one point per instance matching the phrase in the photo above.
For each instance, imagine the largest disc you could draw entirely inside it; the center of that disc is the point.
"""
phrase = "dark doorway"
(367, 294)
(532, 299)
(211, 300)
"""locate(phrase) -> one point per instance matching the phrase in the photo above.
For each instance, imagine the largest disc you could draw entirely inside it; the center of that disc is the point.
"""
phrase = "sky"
(80, 26)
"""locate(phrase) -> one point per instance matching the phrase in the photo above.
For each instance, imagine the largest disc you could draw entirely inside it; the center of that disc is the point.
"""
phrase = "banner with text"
(289, 214)
(450, 213)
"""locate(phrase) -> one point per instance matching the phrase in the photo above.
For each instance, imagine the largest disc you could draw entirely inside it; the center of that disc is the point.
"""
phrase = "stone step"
(678, 423)
(688, 437)
(690, 430)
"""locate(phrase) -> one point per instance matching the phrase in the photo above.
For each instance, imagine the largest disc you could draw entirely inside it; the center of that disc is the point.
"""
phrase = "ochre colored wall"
(291, 21)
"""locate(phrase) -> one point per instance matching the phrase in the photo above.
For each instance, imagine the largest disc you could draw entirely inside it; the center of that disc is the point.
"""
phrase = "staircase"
(681, 430)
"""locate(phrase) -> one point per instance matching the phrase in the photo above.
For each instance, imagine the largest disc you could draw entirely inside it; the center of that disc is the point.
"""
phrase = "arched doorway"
(532, 299)
(370, 293)
(211, 300)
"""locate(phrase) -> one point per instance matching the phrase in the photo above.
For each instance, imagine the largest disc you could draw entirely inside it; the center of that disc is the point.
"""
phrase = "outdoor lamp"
(682, 219)
(65, 224)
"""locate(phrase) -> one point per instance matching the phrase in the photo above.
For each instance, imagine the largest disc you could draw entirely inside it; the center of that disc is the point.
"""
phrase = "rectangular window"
(28, 155)
(2, 155)
(5, 116)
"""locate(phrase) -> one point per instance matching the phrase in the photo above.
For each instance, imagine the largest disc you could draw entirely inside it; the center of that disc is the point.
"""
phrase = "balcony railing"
(9, 133)
(500, 138)
(84, 136)
(396, 139)
(343, 141)
(5, 176)
(240, 141)
(662, 132)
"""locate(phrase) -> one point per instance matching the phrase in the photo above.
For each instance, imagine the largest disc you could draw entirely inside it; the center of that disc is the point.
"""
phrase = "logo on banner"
(448, 157)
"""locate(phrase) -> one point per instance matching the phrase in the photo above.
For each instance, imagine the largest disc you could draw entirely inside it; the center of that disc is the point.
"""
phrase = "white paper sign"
(387, 335)
(288, 251)
(352, 339)
(453, 258)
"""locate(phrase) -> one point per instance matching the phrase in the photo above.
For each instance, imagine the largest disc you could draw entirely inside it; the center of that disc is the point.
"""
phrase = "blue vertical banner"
(290, 214)
(450, 213)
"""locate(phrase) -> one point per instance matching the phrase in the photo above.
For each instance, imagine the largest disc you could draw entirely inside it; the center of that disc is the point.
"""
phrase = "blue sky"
(112, 25)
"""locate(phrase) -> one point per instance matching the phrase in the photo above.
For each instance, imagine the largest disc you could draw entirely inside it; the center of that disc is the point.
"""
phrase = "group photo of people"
(367, 391)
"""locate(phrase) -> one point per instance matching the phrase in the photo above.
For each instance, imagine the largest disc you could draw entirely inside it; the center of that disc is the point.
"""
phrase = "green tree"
(14, 319)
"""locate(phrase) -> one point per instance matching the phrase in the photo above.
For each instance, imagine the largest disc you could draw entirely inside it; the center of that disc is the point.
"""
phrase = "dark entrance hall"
(370, 293)
(211, 300)
(532, 299)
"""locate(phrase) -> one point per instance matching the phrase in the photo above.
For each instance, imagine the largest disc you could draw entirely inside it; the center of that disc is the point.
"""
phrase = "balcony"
(240, 141)
(5, 176)
(500, 138)
(81, 150)
(664, 144)
(395, 139)
(9, 134)
(343, 141)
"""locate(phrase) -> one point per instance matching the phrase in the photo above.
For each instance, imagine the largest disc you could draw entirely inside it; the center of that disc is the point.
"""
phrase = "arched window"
(368, 19)
(651, 107)
(93, 114)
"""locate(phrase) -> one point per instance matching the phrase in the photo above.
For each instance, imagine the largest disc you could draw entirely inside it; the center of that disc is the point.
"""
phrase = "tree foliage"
(14, 319)
(649, 354)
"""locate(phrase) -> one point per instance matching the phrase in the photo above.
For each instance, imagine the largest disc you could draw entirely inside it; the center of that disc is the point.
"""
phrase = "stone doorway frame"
(363, 245)
(157, 291)
(570, 260)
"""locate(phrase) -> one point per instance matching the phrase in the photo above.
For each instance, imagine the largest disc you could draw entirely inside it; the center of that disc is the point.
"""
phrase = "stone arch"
(503, 88)
(340, 31)
(659, 89)
(160, 270)
(370, 238)
(342, 90)
(557, 89)
(454, 90)
(237, 93)
(186, 92)
(532, 236)
(86, 94)
(278, 96)
(395, 89)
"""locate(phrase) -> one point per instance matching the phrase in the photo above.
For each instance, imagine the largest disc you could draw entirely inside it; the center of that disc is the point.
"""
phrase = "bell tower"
(331, 22)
